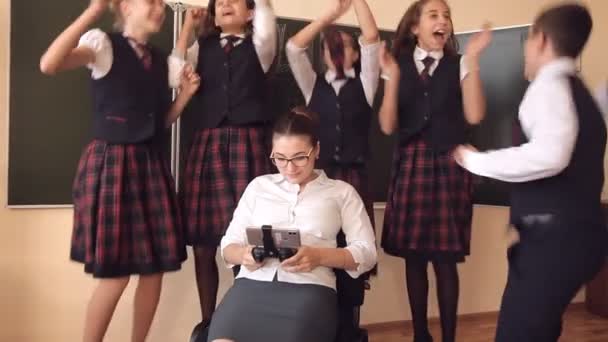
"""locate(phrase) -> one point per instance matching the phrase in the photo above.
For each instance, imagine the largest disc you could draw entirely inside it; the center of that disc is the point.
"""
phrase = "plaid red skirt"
(126, 219)
(220, 165)
(429, 207)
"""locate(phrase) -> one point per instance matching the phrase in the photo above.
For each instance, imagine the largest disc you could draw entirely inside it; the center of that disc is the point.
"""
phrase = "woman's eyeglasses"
(298, 161)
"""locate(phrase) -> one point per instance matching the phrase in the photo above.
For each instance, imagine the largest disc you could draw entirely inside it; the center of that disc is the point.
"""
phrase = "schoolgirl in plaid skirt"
(230, 146)
(431, 95)
(126, 219)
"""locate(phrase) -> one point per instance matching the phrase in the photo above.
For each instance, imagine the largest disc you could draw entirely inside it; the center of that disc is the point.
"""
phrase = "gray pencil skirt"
(259, 311)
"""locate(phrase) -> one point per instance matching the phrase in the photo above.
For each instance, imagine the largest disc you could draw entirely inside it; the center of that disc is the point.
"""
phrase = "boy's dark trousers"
(553, 259)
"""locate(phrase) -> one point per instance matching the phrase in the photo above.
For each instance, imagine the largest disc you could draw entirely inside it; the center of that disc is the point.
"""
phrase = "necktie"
(144, 53)
(231, 41)
(424, 75)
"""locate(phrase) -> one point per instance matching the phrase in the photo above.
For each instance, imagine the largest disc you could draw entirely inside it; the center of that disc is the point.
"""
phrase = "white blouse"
(319, 211)
(306, 77)
(548, 119)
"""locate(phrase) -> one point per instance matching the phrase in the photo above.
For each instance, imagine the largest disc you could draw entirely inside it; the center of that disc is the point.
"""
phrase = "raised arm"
(369, 29)
(306, 35)
(473, 97)
(190, 82)
(299, 62)
(388, 114)
(192, 20)
(63, 54)
(370, 48)
(184, 54)
(265, 33)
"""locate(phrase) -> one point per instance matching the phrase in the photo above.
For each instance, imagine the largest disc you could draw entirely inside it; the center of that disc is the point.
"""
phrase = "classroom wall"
(43, 295)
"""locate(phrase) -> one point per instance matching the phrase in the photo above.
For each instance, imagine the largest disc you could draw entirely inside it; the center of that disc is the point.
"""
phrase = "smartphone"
(283, 237)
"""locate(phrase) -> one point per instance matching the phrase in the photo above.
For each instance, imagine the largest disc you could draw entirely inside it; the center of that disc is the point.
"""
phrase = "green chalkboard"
(50, 117)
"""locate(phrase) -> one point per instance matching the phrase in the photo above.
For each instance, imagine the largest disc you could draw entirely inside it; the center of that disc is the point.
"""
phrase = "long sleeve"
(360, 239)
(370, 69)
(241, 219)
(302, 69)
(176, 64)
(548, 118)
(264, 33)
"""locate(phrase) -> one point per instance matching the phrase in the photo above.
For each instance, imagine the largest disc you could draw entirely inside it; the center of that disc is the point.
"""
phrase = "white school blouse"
(319, 211)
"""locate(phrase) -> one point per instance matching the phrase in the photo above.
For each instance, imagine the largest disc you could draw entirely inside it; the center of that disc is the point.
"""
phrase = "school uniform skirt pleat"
(126, 215)
(221, 162)
(429, 206)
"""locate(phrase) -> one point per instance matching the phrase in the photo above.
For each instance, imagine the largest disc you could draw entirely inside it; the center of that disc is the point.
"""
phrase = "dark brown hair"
(568, 26)
(333, 38)
(405, 40)
(208, 27)
(298, 121)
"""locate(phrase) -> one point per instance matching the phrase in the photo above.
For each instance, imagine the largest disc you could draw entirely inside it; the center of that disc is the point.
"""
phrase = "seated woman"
(294, 300)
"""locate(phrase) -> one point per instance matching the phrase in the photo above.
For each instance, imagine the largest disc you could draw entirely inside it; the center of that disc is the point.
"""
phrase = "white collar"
(240, 35)
(331, 75)
(420, 54)
(560, 66)
(321, 178)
